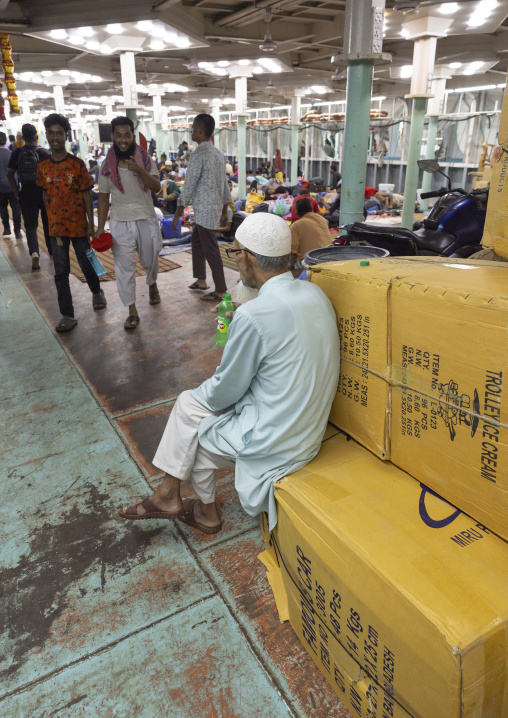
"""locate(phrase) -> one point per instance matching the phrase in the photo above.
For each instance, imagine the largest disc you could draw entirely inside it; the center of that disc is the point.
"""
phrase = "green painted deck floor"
(102, 617)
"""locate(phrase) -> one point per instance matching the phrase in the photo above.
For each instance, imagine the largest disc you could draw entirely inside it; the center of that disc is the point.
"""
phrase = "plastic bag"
(253, 199)
(281, 207)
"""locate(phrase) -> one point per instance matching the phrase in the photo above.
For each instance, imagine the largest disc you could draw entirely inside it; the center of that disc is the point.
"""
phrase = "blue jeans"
(63, 267)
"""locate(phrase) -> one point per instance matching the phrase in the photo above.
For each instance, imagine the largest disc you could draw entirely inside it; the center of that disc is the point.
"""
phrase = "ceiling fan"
(147, 79)
(408, 6)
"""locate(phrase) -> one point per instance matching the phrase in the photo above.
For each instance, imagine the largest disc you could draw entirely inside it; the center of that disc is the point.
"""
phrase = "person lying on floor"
(266, 407)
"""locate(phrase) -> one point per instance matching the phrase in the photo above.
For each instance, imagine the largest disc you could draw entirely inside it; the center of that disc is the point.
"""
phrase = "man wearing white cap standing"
(266, 407)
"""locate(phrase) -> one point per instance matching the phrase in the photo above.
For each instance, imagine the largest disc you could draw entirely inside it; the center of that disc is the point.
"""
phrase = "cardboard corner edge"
(274, 576)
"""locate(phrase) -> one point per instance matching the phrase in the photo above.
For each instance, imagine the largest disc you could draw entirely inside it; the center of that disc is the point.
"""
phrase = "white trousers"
(144, 237)
(180, 453)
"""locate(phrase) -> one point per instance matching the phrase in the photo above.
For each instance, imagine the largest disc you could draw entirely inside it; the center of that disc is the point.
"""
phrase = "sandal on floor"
(155, 297)
(212, 297)
(152, 512)
(196, 286)
(66, 324)
(99, 300)
(187, 517)
(131, 322)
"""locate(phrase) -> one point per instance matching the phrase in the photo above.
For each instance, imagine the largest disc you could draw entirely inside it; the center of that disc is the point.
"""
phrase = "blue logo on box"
(424, 514)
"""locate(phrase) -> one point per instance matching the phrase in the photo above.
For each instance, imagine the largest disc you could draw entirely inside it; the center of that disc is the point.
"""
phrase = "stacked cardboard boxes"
(424, 352)
(399, 595)
(400, 599)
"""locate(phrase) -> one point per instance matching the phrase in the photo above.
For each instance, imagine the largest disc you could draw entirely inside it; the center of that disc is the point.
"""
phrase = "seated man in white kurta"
(266, 407)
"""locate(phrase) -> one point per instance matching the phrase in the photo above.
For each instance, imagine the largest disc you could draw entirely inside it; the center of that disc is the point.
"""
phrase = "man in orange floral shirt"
(67, 184)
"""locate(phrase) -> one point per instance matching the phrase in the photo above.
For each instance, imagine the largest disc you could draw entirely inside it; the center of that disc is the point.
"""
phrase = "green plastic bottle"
(223, 322)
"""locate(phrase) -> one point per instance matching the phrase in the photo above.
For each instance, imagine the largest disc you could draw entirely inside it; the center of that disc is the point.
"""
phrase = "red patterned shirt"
(65, 181)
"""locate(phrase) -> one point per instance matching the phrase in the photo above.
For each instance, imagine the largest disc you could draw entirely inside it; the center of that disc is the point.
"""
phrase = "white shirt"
(133, 203)
(275, 386)
(206, 185)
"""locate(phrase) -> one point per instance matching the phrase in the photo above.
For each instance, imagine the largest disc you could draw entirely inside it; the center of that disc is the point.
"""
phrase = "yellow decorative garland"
(10, 82)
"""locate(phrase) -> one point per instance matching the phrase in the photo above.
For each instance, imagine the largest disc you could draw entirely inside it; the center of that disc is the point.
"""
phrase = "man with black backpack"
(22, 170)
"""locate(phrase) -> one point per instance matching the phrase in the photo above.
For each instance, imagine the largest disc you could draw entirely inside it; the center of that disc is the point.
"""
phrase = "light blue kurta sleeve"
(242, 357)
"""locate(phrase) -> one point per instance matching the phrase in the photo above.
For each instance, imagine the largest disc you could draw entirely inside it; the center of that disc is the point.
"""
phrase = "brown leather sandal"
(187, 517)
(152, 512)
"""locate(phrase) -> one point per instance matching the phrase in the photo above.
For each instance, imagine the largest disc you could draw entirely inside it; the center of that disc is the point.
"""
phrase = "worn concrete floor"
(102, 617)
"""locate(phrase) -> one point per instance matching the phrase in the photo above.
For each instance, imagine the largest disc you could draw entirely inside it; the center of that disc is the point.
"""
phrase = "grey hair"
(271, 264)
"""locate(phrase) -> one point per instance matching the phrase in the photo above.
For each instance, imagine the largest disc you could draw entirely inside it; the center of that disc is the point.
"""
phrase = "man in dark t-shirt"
(22, 173)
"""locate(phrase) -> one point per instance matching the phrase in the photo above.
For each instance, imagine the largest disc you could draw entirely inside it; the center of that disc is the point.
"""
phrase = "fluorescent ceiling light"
(204, 100)
(406, 71)
(93, 45)
(218, 71)
(244, 62)
(223, 63)
(64, 72)
(469, 71)
(320, 89)
(96, 78)
(404, 33)
(182, 42)
(257, 70)
(157, 44)
(86, 31)
(379, 98)
(455, 65)
(26, 76)
(106, 50)
(58, 34)
(204, 65)
(46, 73)
(476, 64)
(476, 21)
(172, 87)
(114, 28)
(448, 8)
(144, 25)
(158, 30)
(76, 40)
(477, 88)
(487, 6)
(171, 37)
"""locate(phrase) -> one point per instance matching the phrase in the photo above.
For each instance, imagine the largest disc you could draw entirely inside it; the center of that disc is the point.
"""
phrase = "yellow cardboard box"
(495, 234)
(386, 582)
(424, 352)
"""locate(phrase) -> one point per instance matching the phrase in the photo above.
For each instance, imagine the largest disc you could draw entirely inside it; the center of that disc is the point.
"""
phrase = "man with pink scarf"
(129, 175)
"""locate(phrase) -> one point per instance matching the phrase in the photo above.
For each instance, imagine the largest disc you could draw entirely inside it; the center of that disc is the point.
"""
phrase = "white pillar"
(59, 99)
(27, 117)
(215, 113)
(296, 102)
(240, 74)
(109, 110)
(130, 93)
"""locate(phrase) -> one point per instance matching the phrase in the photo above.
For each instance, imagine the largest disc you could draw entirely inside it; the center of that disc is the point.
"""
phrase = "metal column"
(413, 155)
(429, 155)
(240, 75)
(129, 89)
(363, 43)
(295, 127)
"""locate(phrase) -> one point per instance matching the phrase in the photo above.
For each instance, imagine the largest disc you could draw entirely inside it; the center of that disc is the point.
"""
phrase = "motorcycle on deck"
(453, 228)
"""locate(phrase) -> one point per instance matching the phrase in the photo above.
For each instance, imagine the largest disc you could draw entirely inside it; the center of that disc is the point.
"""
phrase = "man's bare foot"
(207, 514)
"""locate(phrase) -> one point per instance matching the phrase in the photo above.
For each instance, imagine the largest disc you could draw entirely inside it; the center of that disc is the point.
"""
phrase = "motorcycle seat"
(437, 242)
(388, 230)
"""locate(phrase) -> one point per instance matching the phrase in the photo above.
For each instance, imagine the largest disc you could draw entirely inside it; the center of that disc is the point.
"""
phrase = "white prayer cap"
(266, 234)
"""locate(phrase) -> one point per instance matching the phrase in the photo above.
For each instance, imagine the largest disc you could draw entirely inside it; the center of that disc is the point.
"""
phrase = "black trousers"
(62, 266)
(7, 198)
(206, 249)
(32, 202)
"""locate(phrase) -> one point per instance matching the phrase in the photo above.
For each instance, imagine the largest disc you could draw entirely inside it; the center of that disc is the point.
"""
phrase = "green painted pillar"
(356, 138)
(414, 154)
(429, 155)
(132, 114)
(242, 148)
(165, 141)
